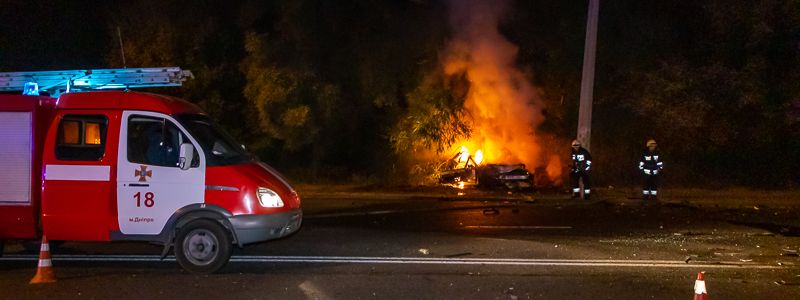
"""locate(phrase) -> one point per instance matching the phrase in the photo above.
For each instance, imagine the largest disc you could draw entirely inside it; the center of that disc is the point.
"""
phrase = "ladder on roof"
(57, 82)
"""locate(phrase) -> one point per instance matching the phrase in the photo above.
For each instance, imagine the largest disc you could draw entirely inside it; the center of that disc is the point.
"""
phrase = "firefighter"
(651, 166)
(581, 165)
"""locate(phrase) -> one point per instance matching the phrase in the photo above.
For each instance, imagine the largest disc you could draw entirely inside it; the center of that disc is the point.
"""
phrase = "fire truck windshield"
(218, 147)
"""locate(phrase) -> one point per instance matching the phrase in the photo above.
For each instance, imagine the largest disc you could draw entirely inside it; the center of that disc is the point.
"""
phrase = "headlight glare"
(269, 198)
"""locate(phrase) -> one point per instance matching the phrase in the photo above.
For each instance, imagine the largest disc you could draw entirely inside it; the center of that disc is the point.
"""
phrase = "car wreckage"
(464, 170)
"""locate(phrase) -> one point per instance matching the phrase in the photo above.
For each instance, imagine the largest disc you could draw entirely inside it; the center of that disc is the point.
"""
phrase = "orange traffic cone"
(45, 272)
(700, 292)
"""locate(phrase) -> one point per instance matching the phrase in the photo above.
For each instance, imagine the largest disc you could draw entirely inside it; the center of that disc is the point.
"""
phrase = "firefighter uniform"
(581, 165)
(650, 165)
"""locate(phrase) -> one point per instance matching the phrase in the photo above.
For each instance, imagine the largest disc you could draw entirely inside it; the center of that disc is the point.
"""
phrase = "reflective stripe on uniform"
(587, 191)
(576, 190)
(653, 193)
(646, 192)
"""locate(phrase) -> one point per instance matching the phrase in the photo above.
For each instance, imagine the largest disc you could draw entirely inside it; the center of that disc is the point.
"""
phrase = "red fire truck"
(94, 161)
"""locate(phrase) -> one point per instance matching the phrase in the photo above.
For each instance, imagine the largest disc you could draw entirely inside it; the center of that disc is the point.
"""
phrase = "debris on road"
(491, 211)
(784, 282)
(760, 234)
(790, 252)
(458, 254)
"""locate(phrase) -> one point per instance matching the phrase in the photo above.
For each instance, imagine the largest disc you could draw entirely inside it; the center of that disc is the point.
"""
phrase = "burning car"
(510, 176)
(465, 170)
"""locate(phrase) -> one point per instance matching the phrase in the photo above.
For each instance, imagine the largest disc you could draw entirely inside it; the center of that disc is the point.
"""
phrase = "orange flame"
(504, 105)
(464, 156)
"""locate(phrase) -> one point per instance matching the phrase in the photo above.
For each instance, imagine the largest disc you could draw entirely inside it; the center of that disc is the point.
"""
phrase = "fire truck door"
(77, 193)
(151, 186)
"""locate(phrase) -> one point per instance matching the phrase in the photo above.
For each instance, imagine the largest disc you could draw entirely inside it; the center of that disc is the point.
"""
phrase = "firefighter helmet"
(651, 142)
(575, 143)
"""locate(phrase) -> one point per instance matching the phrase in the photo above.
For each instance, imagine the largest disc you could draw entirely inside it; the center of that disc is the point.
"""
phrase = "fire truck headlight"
(269, 198)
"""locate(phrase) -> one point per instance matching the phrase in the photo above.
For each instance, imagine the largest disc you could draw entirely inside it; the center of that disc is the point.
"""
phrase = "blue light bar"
(30, 89)
(56, 82)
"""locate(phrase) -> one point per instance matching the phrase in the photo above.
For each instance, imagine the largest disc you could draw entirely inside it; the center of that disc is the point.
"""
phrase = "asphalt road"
(488, 247)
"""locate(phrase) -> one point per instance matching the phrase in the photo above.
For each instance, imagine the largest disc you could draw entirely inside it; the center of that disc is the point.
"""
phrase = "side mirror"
(186, 156)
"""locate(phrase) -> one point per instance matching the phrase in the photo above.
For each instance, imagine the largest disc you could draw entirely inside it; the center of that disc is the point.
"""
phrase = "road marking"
(515, 227)
(312, 291)
(423, 261)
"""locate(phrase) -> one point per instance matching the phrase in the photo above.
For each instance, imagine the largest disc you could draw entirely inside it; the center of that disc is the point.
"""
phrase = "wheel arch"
(192, 212)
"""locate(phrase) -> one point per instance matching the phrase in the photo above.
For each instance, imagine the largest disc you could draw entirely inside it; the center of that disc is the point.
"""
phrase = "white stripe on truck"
(77, 173)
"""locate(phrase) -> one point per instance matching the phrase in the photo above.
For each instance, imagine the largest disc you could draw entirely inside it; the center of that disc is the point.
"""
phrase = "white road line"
(421, 261)
(515, 227)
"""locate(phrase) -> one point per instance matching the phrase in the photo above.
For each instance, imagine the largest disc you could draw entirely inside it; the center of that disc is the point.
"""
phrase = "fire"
(478, 157)
(504, 106)
(465, 158)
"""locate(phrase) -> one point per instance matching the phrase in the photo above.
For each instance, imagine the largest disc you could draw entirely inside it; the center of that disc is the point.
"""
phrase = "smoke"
(504, 105)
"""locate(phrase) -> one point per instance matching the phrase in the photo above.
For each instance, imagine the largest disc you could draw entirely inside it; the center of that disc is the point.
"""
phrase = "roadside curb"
(675, 198)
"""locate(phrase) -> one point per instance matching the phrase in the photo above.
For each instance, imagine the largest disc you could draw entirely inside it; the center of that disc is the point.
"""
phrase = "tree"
(292, 105)
(169, 33)
(435, 119)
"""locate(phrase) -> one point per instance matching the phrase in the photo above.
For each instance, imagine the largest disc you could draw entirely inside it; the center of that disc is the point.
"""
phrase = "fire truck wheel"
(203, 246)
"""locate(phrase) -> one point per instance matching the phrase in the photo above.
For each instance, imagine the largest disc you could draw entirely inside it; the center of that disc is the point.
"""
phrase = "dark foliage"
(337, 89)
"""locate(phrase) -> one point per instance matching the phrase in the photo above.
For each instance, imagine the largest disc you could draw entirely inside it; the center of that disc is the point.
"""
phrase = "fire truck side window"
(154, 141)
(81, 137)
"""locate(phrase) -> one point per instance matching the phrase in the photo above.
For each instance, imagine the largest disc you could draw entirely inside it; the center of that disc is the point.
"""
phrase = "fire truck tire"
(203, 246)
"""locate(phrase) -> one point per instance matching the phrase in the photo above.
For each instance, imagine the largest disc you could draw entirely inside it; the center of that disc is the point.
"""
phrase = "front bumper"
(259, 228)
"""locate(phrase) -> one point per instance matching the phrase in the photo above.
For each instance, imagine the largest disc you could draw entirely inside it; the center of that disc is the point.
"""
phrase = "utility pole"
(587, 81)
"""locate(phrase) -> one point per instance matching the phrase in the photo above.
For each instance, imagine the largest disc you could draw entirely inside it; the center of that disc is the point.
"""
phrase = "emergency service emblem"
(143, 173)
